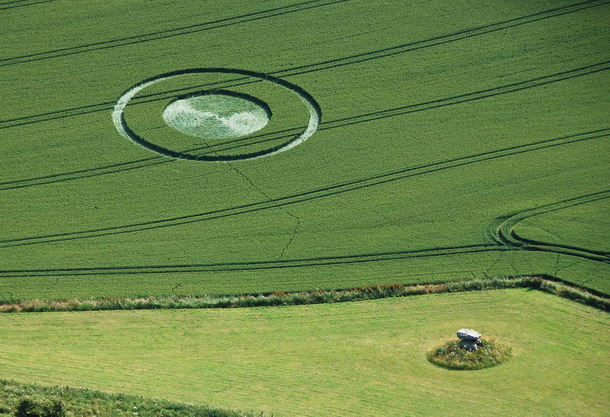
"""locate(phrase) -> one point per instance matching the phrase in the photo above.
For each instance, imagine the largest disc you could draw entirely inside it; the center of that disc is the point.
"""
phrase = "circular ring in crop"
(246, 78)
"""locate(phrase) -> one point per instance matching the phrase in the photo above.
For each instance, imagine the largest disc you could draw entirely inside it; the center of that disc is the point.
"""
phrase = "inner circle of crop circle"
(217, 115)
(118, 115)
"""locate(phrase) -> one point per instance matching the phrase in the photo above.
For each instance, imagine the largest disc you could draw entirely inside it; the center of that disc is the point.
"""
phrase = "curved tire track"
(502, 230)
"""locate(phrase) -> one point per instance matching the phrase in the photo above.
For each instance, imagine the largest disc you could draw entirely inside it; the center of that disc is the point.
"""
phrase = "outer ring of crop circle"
(118, 116)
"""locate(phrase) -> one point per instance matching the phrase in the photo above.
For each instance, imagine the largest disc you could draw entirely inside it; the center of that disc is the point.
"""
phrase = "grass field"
(354, 359)
(406, 142)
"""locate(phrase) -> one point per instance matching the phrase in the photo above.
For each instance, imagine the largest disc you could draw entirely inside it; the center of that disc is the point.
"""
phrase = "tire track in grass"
(251, 266)
(477, 95)
(450, 101)
(14, 2)
(22, 3)
(502, 230)
(144, 162)
(169, 33)
(442, 39)
(325, 125)
(311, 195)
(329, 64)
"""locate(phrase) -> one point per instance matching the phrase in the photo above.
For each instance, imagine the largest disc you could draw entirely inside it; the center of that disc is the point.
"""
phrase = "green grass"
(351, 359)
(84, 402)
(483, 112)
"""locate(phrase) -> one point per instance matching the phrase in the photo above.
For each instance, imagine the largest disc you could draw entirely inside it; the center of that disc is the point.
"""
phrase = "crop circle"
(218, 114)
(452, 356)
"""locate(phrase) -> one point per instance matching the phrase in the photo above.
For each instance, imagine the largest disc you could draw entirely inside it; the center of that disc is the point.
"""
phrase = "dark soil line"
(440, 40)
(502, 230)
(146, 162)
(473, 96)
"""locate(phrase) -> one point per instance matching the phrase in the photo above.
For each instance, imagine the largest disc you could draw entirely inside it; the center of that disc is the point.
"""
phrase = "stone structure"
(470, 339)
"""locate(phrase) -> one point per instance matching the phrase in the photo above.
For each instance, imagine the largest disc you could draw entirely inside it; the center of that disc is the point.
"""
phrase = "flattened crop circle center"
(216, 116)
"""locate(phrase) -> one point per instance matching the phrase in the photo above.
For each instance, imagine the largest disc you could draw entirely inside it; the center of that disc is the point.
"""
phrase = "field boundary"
(544, 283)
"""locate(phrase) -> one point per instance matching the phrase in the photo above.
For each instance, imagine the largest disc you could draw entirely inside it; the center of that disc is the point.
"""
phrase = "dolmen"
(470, 339)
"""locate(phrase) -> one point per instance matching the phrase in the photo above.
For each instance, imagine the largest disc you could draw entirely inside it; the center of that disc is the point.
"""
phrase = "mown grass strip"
(371, 292)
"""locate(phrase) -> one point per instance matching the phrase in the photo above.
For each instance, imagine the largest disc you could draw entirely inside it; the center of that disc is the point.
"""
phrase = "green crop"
(409, 142)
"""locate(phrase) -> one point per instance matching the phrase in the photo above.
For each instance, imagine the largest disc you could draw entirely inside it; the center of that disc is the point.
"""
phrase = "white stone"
(468, 334)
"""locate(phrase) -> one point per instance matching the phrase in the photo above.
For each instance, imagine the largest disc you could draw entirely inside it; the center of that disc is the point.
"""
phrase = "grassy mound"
(451, 356)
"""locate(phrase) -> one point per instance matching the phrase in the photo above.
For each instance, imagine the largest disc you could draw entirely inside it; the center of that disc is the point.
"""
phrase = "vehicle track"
(449, 101)
(328, 191)
(22, 3)
(502, 230)
(326, 125)
(325, 65)
(169, 33)
(251, 266)
(145, 162)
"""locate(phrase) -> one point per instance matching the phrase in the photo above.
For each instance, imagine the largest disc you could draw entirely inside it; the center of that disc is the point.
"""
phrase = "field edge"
(545, 283)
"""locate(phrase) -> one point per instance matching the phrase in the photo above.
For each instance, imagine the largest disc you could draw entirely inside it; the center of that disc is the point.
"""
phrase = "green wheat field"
(412, 142)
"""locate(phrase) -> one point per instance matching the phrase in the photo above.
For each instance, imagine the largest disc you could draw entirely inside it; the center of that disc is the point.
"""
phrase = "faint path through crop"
(163, 34)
